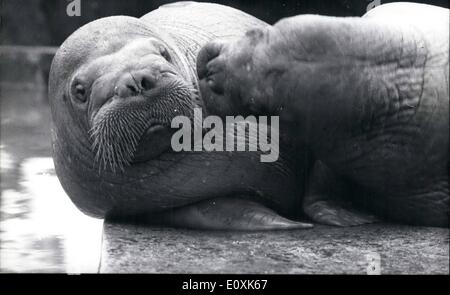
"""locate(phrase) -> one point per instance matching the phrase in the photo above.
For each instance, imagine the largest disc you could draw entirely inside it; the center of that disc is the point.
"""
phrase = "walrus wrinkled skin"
(115, 85)
(368, 96)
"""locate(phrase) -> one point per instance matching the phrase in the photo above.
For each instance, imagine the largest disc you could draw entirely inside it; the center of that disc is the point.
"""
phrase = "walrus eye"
(79, 92)
(163, 51)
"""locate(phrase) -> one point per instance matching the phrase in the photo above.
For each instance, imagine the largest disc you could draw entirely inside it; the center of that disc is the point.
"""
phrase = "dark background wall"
(45, 22)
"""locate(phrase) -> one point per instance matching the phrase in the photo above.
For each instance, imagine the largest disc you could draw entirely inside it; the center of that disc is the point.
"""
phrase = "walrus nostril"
(126, 90)
(127, 86)
(133, 89)
(147, 83)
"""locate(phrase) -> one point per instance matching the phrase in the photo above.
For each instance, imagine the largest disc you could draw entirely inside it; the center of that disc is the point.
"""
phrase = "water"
(40, 229)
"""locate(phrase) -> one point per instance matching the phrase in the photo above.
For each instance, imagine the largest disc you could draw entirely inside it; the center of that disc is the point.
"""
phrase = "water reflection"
(40, 229)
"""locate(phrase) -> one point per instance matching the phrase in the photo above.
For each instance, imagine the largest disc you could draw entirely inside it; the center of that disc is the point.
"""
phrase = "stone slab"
(129, 248)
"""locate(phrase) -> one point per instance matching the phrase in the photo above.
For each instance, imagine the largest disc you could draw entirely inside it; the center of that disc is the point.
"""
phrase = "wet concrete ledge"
(131, 248)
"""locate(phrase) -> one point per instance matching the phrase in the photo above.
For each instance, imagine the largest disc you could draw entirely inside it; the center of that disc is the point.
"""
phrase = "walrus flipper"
(324, 200)
(226, 214)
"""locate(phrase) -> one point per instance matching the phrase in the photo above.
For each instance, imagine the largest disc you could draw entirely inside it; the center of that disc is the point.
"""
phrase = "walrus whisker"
(116, 153)
(116, 135)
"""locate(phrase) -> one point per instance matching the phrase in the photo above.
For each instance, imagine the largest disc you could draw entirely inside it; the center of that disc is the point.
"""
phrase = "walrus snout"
(210, 51)
(223, 68)
(133, 83)
(131, 111)
(215, 79)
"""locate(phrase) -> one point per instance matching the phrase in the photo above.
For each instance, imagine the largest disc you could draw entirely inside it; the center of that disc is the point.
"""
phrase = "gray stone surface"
(131, 248)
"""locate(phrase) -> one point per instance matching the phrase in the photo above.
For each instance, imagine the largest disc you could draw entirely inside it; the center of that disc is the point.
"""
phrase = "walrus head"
(124, 87)
(114, 87)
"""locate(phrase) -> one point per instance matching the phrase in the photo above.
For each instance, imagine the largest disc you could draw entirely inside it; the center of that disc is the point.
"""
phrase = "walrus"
(115, 85)
(368, 96)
